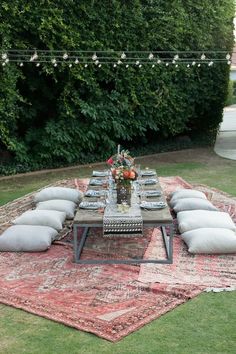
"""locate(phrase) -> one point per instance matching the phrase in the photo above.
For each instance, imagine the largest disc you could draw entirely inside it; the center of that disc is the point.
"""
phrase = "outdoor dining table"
(159, 218)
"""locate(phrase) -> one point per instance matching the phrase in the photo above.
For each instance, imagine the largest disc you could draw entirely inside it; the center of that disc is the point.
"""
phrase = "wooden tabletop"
(95, 217)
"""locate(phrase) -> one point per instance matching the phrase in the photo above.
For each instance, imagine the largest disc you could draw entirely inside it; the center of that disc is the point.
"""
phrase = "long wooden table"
(160, 218)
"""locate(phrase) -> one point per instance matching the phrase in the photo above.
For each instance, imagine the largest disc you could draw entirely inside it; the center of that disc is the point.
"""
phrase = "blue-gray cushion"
(60, 205)
(185, 193)
(210, 240)
(58, 193)
(193, 204)
(27, 238)
(51, 218)
(195, 219)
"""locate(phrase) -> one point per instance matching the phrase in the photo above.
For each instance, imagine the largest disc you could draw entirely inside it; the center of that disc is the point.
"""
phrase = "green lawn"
(203, 325)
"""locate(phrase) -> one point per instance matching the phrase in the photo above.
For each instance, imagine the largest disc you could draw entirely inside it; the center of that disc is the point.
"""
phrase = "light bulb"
(137, 62)
(96, 62)
(38, 64)
(70, 65)
(199, 65)
(151, 56)
(153, 66)
(34, 57)
(158, 61)
(76, 61)
(99, 65)
(21, 64)
(176, 65)
(140, 65)
(55, 64)
(86, 65)
(193, 63)
(167, 64)
(65, 56)
(127, 65)
(114, 65)
(3, 64)
(188, 66)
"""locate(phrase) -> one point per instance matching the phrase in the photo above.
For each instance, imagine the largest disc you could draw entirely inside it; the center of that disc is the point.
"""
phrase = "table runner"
(122, 221)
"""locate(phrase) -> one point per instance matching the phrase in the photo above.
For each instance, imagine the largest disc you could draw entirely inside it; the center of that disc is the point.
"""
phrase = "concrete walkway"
(225, 145)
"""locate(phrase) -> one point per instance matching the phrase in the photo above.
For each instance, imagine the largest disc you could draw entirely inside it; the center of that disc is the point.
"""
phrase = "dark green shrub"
(58, 116)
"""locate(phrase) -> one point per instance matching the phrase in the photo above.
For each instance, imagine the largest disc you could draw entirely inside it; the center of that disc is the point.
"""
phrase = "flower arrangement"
(122, 167)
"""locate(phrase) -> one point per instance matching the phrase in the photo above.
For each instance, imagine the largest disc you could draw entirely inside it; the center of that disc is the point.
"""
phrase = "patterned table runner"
(122, 220)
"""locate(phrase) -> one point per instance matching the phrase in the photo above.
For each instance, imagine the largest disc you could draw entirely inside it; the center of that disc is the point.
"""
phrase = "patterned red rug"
(110, 301)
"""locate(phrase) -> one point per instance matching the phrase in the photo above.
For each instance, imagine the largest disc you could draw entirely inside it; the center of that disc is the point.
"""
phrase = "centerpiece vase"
(123, 193)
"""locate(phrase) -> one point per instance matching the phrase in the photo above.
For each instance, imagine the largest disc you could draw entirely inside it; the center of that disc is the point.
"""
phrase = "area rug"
(110, 301)
(213, 271)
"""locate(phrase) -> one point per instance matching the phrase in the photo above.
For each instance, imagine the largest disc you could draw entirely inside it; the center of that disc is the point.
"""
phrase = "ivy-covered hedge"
(59, 116)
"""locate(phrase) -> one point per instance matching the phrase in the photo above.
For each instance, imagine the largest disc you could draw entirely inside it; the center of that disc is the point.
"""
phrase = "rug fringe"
(218, 290)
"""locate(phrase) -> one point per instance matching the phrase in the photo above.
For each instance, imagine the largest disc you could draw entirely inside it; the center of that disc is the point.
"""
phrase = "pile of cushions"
(35, 230)
(202, 226)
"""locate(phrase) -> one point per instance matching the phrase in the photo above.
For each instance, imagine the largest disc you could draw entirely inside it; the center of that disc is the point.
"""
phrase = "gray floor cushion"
(193, 204)
(60, 205)
(186, 193)
(27, 238)
(51, 218)
(195, 219)
(58, 193)
(210, 240)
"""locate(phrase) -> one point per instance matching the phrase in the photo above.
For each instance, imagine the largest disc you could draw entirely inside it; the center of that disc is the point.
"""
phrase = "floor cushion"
(193, 204)
(27, 238)
(210, 240)
(195, 219)
(51, 218)
(186, 193)
(60, 205)
(58, 193)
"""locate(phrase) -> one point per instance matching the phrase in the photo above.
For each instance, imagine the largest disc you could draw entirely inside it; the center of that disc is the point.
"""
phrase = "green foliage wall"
(63, 115)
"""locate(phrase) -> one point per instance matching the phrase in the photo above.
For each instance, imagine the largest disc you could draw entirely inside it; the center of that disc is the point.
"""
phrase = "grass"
(203, 325)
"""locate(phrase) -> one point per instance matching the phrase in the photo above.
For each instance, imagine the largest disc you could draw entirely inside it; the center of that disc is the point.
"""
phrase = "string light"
(114, 58)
